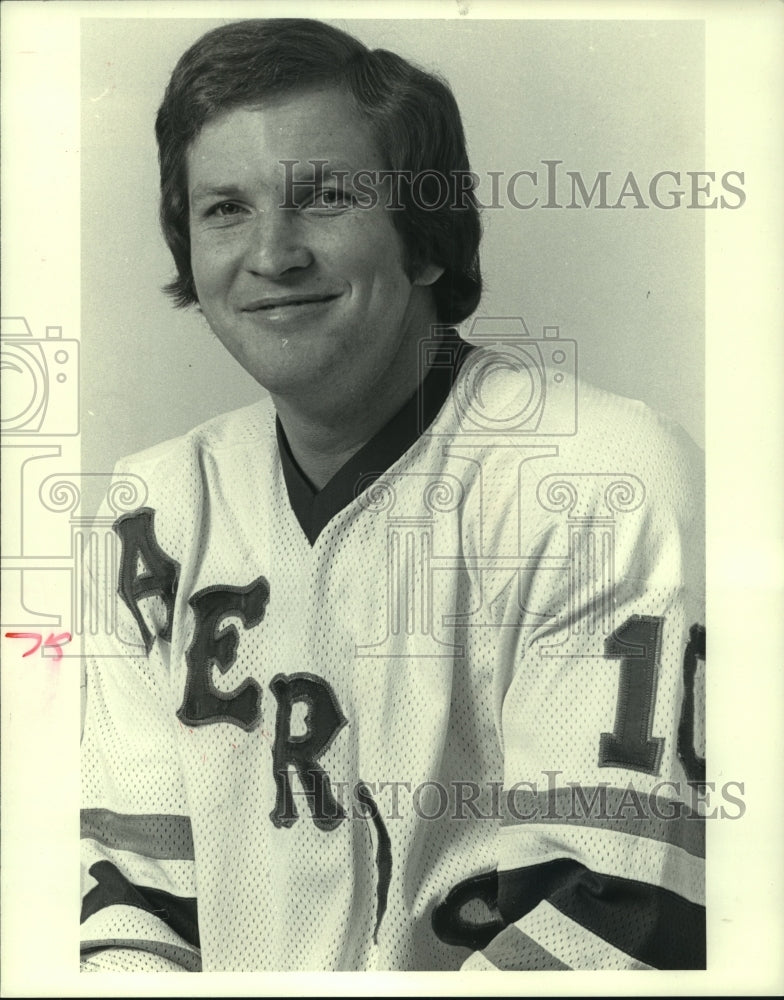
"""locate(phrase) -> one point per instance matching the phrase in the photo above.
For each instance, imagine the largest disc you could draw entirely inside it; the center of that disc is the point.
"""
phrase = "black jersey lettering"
(323, 721)
(159, 576)
(214, 645)
(450, 922)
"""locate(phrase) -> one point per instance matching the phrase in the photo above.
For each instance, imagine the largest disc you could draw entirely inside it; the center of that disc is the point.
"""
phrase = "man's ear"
(429, 274)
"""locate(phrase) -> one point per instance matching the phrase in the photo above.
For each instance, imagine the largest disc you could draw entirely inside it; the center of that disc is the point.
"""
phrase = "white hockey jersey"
(441, 714)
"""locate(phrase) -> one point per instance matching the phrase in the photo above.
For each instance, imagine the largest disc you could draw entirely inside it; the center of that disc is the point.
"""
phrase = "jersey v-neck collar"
(313, 508)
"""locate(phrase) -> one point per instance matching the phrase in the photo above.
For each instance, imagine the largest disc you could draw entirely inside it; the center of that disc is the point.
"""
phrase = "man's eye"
(332, 198)
(225, 210)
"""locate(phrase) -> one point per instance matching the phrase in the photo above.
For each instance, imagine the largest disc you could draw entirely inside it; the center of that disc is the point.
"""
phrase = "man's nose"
(276, 244)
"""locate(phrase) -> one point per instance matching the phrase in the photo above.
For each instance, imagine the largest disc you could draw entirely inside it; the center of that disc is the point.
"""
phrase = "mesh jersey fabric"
(456, 730)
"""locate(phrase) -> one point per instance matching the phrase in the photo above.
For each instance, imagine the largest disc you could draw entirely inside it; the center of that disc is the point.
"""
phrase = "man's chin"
(301, 376)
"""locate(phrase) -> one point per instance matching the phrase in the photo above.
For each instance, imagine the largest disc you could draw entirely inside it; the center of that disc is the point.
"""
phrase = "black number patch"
(693, 765)
(637, 643)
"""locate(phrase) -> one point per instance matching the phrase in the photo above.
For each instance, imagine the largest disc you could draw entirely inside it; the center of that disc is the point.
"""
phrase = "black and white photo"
(358, 512)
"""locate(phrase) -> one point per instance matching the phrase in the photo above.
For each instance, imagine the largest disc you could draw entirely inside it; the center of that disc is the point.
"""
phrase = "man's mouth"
(286, 301)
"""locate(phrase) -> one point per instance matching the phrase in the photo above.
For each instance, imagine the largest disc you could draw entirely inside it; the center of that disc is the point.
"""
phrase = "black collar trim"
(313, 508)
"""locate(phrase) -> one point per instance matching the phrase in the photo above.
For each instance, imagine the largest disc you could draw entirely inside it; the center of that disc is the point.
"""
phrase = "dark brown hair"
(412, 115)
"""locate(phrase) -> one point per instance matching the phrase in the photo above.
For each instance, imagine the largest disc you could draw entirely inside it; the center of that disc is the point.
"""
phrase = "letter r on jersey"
(324, 720)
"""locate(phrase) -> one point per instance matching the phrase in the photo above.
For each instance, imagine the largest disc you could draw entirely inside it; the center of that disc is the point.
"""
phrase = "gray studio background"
(627, 284)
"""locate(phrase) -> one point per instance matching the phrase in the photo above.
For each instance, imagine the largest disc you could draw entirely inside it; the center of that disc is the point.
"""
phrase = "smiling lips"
(286, 301)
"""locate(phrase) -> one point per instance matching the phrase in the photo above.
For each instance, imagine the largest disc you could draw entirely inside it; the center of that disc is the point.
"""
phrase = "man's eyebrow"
(321, 167)
(214, 191)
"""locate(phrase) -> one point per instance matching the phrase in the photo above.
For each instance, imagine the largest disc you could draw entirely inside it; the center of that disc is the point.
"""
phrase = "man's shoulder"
(512, 395)
(249, 427)
(613, 425)
(630, 453)
(567, 435)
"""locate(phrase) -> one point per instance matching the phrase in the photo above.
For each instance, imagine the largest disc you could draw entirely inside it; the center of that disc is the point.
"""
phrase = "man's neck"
(323, 436)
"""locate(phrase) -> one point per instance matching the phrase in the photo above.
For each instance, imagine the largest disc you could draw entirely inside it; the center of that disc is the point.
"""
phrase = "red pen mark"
(52, 641)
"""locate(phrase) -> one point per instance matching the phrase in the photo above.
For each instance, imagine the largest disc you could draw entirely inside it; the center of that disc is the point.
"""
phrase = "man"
(399, 679)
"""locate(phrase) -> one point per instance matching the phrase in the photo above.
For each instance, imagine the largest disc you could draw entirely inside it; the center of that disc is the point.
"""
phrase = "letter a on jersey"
(158, 573)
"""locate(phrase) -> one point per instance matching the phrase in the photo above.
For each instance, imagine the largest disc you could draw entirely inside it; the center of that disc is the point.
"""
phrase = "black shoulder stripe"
(652, 924)
(114, 889)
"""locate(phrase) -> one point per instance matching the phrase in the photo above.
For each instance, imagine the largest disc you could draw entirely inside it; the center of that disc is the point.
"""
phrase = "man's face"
(312, 298)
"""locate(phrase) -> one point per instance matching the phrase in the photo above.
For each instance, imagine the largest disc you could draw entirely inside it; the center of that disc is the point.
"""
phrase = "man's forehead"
(312, 130)
(314, 110)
